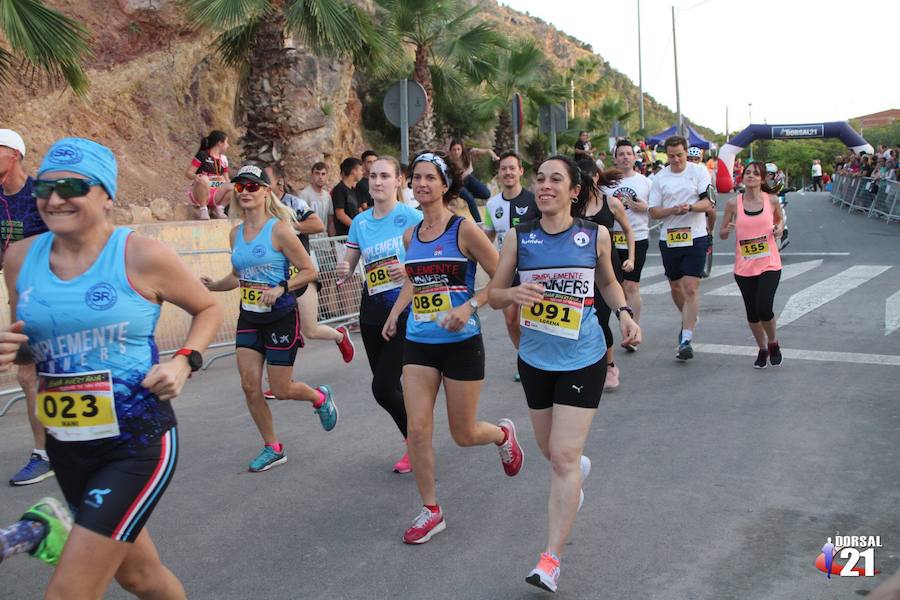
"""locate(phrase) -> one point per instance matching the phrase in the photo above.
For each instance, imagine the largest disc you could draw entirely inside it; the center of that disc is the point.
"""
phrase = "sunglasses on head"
(68, 187)
(250, 186)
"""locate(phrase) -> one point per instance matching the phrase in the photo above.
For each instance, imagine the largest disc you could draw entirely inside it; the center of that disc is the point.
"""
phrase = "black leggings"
(759, 295)
(386, 361)
(604, 311)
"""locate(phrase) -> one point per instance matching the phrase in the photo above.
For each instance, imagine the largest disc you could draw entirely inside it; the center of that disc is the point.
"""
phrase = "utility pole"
(750, 110)
(677, 91)
(640, 65)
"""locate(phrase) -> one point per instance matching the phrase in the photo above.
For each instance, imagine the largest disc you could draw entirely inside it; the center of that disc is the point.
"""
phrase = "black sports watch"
(283, 283)
(195, 359)
(625, 309)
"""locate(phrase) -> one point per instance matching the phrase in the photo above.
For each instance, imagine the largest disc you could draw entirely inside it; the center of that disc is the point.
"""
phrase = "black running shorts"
(640, 257)
(463, 361)
(278, 340)
(113, 491)
(690, 261)
(582, 387)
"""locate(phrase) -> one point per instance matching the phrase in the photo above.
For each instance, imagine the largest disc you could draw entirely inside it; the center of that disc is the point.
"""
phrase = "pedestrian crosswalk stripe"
(787, 272)
(663, 286)
(892, 314)
(796, 354)
(827, 290)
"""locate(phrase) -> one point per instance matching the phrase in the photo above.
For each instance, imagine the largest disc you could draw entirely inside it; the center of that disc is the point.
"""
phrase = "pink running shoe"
(511, 454)
(546, 574)
(426, 526)
(612, 378)
(402, 465)
(268, 395)
(346, 344)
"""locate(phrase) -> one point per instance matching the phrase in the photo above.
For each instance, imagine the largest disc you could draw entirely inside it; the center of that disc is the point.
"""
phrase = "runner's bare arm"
(618, 211)
(230, 281)
(348, 265)
(284, 241)
(611, 290)
(727, 225)
(310, 225)
(500, 295)
(475, 244)
(778, 215)
(11, 337)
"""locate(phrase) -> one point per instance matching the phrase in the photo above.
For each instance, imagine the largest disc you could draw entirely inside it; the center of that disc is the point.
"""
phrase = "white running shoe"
(585, 471)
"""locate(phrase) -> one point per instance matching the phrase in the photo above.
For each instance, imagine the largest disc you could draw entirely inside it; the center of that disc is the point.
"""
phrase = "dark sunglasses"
(250, 186)
(69, 187)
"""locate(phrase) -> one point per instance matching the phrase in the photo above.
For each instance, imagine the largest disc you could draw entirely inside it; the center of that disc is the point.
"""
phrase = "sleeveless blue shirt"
(259, 268)
(83, 330)
(561, 333)
(443, 278)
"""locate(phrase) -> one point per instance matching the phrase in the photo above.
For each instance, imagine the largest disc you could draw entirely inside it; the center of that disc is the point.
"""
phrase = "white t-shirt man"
(816, 170)
(320, 203)
(634, 187)
(671, 189)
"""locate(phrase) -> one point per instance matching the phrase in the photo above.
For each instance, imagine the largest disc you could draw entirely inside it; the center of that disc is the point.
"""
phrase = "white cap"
(11, 139)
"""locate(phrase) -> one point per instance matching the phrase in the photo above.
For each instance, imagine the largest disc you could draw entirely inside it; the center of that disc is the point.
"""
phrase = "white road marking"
(792, 353)
(787, 272)
(663, 286)
(649, 272)
(827, 290)
(892, 314)
(717, 253)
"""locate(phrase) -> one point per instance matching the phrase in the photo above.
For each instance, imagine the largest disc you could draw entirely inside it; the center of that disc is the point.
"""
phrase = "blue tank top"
(561, 333)
(443, 278)
(259, 268)
(92, 341)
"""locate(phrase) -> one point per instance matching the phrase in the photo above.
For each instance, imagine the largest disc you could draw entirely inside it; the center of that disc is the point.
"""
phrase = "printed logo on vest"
(400, 220)
(259, 251)
(66, 154)
(438, 250)
(101, 296)
(581, 239)
(498, 214)
(521, 210)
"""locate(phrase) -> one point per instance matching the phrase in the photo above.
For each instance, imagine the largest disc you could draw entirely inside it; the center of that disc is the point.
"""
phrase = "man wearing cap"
(19, 219)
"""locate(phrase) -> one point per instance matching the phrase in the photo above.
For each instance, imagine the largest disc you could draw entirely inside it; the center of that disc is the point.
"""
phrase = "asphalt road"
(711, 480)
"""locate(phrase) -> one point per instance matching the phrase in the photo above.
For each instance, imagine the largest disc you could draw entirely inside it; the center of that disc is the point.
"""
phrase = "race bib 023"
(679, 237)
(378, 275)
(251, 297)
(77, 407)
(754, 248)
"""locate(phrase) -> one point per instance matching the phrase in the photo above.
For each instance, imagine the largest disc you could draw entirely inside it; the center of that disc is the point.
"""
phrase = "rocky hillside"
(157, 88)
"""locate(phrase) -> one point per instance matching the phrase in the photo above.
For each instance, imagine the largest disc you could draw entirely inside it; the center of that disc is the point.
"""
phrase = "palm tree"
(519, 69)
(448, 50)
(259, 37)
(44, 41)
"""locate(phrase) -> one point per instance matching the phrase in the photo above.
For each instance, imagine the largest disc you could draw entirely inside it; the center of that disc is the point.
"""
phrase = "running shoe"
(685, 351)
(426, 526)
(268, 395)
(402, 465)
(585, 471)
(612, 378)
(511, 454)
(35, 470)
(267, 458)
(546, 574)
(761, 359)
(328, 412)
(632, 348)
(775, 358)
(218, 212)
(58, 523)
(516, 377)
(346, 344)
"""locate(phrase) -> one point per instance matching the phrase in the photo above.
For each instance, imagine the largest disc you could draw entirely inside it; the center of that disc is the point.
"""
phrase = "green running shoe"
(267, 458)
(328, 412)
(58, 521)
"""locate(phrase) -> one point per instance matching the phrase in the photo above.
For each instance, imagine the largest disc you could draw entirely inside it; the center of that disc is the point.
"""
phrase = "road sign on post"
(404, 105)
(553, 119)
(517, 120)
(616, 132)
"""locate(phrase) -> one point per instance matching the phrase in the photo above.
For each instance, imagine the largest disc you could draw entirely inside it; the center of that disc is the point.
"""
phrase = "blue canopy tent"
(693, 137)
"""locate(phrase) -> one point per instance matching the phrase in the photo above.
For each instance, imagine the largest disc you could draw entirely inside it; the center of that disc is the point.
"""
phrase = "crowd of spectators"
(880, 165)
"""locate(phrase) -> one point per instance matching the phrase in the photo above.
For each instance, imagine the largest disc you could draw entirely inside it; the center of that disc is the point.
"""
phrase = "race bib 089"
(77, 407)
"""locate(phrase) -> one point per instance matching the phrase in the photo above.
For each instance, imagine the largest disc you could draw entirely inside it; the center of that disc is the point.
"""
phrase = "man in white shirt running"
(633, 190)
(679, 197)
(512, 206)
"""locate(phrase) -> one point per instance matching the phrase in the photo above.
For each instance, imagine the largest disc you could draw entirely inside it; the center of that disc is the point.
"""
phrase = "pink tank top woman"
(756, 250)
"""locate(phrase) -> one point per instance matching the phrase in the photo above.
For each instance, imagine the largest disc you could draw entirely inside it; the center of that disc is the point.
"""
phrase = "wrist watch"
(194, 358)
(474, 304)
(625, 309)
(283, 283)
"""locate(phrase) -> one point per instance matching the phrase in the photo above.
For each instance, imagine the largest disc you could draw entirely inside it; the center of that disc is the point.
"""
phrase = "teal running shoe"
(58, 522)
(267, 458)
(328, 412)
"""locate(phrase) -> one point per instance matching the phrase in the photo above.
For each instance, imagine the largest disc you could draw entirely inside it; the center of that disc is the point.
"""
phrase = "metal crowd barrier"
(854, 193)
(338, 305)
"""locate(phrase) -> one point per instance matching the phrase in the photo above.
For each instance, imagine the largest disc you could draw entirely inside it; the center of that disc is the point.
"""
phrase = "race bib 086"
(77, 407)
(378, 277)
(429, 301)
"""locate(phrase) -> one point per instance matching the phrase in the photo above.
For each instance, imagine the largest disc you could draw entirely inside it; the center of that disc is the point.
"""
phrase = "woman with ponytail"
(264, 247)
(209, 175)
(563, 262)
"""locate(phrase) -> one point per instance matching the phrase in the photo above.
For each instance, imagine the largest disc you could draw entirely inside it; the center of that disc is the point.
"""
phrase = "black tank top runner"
(605, 217)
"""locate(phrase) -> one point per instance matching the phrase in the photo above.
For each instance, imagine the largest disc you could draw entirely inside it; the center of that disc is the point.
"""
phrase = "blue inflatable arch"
(836, 129)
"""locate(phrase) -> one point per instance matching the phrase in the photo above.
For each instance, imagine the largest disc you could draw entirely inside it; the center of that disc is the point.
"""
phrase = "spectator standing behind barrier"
(20, 219)
(362, 188)
(601, 161)
(583, 147)
(472, 186)
(817, 176)
(343, 195)
(209, 172)
(319, 198)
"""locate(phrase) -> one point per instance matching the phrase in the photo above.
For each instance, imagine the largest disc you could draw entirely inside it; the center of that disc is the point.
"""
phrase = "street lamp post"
(750, 110)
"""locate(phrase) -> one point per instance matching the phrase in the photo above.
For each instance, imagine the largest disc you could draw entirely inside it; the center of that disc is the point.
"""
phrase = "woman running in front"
(443, 334)
(89, 294)
(263, 249)
(376, 236)
(755, 218)
(560, 258)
